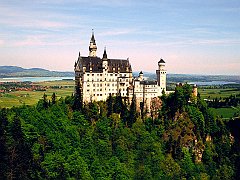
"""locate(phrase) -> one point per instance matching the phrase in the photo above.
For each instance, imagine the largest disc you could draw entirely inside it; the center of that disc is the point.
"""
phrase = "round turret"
(161, 62)
(194, 91)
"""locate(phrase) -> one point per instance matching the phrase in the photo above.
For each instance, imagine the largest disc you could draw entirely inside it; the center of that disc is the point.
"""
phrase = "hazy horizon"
(201, 38)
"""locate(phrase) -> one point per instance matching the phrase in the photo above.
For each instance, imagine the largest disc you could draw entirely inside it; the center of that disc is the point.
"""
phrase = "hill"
(15, 71)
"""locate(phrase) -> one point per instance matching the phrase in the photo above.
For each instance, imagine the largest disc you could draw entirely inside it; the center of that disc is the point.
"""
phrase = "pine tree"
(118, 104)
(109, 105)
(45, 101)
(3, 144)
(20, 155)
(133, 112)
(53, 98)
(77, 102)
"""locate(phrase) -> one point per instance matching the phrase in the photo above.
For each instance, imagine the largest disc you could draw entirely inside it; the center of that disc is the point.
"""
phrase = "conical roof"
(161, 61)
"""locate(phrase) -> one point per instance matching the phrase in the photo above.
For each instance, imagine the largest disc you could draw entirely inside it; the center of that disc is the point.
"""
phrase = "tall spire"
(92, 46)
(105, 53)
(92, 38)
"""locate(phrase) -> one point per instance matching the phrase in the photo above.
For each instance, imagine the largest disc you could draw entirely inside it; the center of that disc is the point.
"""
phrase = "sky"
(193, 37)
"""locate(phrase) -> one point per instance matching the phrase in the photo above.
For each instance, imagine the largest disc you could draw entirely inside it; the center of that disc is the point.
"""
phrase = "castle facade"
(100, 77)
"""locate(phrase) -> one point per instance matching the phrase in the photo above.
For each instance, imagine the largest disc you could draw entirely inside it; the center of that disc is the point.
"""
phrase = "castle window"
(87, 74)
(92, 74)
(100, 94)
(87, 90)
(93, 85)
(100, 74)
(111, 74)
(115, 74)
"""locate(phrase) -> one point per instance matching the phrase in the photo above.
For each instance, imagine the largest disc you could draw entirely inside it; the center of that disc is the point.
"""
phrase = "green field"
(226, 112)
(217, 93)
(17, 98)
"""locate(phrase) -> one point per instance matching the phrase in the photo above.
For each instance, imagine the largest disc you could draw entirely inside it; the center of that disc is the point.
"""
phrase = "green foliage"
(107, 140)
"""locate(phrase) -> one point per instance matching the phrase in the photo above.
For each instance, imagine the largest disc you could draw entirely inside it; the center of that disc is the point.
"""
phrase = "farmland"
(217, 92)
(16, 98)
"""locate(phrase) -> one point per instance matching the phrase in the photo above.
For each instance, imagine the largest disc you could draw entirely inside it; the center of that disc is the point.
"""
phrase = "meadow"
(227, 112)
(217, 93)
(61, 88)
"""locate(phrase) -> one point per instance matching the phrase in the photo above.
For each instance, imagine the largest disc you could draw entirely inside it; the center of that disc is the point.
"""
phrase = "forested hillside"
(15, 71)
(64, 139)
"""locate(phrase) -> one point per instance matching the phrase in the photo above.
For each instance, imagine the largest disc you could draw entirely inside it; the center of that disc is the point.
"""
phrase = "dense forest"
(66, 139)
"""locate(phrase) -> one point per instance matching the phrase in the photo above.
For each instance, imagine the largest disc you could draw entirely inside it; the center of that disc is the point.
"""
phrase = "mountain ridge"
(16, 71)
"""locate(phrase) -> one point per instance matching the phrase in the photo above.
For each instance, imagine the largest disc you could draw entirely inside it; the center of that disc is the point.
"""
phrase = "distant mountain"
(15, 71)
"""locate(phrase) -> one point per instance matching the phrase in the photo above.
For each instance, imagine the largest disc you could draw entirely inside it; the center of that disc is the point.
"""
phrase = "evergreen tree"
(53, 98)
(3, 144)
(118, 105)
(45, 101)
(77, 102)
(109, 105)
(132, 113)
(20, 156)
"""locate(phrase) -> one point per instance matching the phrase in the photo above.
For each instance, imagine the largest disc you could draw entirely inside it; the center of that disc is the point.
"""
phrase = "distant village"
(6, 87)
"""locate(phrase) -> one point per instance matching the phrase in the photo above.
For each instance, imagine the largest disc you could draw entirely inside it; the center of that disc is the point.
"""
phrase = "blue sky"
(196, 37)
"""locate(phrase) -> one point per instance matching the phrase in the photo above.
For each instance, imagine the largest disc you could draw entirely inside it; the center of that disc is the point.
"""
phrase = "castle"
(100, 77)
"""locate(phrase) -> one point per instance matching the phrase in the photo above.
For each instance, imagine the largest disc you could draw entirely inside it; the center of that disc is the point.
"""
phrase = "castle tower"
(194, 91)
(105, 60)
(93, 46)
(140, 77)
(161, 75)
